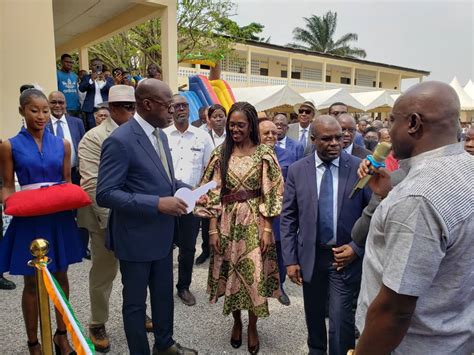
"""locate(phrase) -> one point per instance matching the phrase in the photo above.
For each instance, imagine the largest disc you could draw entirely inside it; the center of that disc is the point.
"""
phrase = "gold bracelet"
(267, 230)
(351, 352)
(214, 231)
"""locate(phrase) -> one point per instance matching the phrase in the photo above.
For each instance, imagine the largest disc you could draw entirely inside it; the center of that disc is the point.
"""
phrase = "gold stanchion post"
(39, 248)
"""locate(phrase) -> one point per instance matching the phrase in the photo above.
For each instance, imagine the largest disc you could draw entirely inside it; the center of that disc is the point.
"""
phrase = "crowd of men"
(410, 257)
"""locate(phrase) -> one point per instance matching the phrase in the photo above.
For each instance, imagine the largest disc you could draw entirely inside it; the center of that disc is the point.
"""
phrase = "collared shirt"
(190, 151)
(320, 169)
(348, 150)
(282, 143)
(420, 244)
(301, 130)
(148, 128)
(204, 127)
(67, 136)
(216, 139)
(98, 86)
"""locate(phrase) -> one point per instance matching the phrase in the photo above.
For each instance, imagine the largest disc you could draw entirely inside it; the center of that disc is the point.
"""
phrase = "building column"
(249, 65)
(353, 77)
(420, 79)
(169, 46)
(324, 74)
(18, 64)
(289, 69)
(377, 80)
(84, 58)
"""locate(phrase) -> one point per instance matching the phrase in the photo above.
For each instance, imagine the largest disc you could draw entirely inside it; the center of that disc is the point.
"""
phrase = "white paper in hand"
(191, 196)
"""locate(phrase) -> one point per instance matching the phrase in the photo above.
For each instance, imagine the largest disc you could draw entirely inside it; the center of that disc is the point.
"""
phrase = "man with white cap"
(121, 106)
(300, 131)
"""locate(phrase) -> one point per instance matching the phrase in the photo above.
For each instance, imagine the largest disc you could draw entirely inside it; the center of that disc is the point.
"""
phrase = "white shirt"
(282, 143)
(348, 150)
(67, 136)
(148, 129)
(190, 151)
(300, 132)
(216, 139)
(320, 169)
(98, 86)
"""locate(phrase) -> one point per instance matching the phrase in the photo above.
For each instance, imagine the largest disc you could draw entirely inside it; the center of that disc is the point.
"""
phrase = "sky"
(436, 36)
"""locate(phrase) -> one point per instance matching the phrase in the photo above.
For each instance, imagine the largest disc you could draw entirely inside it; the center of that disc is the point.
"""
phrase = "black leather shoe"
(201, 259)
(187, 297)
(284, 299)
(6, 284)
(175, 349)
(236, 343)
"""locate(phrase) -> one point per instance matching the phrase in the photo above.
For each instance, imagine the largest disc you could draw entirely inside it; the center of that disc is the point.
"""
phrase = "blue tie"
(325, 207)
(59, 129)
(303, 138)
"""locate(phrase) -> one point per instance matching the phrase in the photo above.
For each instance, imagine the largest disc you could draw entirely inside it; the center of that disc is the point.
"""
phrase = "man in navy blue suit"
(268, 135)
(281, 122)
(316, 223)
(136, 181)
(72, 129)
(96, 86)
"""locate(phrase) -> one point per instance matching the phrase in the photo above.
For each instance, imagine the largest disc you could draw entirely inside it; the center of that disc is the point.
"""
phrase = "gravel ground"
(202, 327)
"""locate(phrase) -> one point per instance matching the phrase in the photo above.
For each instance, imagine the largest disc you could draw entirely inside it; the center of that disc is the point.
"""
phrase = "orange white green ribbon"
(82, 344)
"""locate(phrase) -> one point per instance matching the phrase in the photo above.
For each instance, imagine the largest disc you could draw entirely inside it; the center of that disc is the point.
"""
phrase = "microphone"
(377, 160)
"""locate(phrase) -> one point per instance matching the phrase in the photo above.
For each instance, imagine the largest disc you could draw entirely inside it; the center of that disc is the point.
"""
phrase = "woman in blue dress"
(37, 156)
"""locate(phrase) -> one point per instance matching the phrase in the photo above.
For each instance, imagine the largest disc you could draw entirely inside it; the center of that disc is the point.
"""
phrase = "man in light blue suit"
(294, 147)
(316, 223)
(136, 181)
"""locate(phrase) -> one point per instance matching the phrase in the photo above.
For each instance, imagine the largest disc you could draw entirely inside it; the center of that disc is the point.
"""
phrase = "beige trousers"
(101, 277)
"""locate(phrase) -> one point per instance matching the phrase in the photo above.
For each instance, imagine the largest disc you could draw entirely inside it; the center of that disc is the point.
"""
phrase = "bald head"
(281, 122)
(268, 132)
(57, 104)
(326, 134)
(154, 99)
(424, 118)
(321, 122)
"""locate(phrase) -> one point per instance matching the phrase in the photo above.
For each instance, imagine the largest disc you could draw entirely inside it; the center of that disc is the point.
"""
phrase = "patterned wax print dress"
(242, 274)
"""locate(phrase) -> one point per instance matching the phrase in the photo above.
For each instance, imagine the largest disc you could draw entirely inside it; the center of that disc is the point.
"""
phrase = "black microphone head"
(381, 152)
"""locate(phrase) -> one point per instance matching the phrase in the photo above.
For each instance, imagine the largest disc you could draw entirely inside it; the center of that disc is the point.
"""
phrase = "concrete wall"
(27, 55)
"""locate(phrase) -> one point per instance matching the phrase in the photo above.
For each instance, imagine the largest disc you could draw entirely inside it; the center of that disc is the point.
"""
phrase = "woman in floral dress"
(248, 195)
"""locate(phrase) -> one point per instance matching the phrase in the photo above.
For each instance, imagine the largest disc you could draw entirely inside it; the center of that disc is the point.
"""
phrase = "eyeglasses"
(129, 106)
(169, 105)
(348, 130)
(307, 111)
(181, 106)
(57, 102)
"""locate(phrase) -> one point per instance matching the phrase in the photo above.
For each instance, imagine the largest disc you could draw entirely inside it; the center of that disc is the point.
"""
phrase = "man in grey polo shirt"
(417, 283)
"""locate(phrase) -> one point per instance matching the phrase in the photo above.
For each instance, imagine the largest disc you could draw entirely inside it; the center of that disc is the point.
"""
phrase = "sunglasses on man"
(307, 111)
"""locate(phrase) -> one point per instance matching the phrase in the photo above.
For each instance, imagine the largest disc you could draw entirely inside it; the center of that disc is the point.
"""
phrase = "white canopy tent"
(467, 103)
(324, 99)
(266, 98)
(469, 89)
(375, 101)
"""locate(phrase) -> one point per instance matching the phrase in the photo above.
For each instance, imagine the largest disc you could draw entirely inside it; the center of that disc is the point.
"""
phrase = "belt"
(241, 196)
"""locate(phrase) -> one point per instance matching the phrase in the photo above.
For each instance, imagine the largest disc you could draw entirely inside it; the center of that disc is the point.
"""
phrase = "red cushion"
(46, 200)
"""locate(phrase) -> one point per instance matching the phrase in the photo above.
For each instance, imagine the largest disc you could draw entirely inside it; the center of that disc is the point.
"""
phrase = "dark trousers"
(188, 229)
(90, 120)
(281, 264)
(327, 281)
(205, 235)
(136, 278)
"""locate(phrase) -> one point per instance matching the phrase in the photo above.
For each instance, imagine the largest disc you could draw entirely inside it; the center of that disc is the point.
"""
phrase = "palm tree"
(318, 36)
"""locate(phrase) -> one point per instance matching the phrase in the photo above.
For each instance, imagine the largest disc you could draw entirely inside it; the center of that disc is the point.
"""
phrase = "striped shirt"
(421, 243)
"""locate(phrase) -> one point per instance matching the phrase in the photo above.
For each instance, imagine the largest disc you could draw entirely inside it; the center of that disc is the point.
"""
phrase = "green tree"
(318, 35)
(204, 32)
